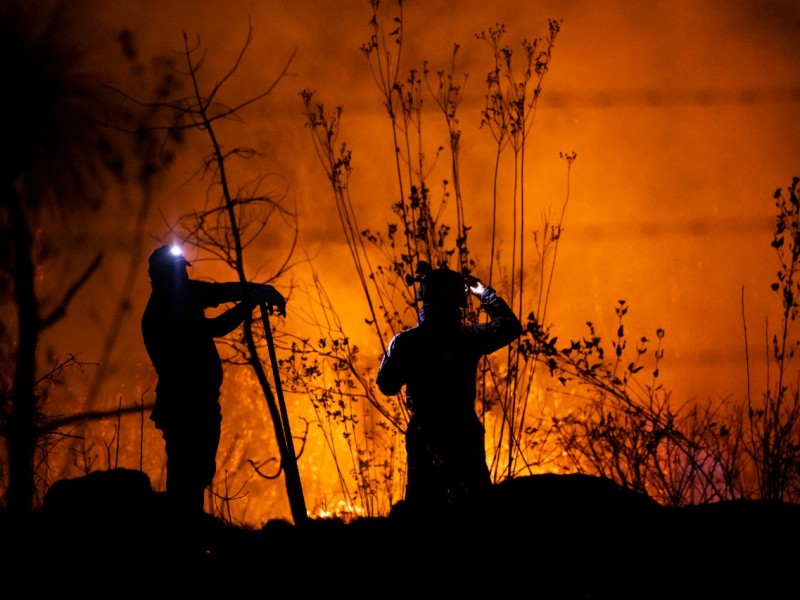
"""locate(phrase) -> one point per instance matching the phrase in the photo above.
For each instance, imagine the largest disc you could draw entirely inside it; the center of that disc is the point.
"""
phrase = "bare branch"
(59, 311)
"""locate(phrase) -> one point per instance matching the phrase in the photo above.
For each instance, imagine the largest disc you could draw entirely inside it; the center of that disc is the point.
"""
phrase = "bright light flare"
(175, 250)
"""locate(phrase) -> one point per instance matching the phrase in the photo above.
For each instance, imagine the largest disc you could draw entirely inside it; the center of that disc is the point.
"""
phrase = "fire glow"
(669, 207)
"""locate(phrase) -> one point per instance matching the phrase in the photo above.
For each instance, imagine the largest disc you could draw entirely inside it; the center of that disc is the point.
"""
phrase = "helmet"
(165, 260)
(441, 287)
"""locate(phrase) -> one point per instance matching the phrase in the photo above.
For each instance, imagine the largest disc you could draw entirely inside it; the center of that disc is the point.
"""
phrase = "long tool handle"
(273, 359)
(294, 485)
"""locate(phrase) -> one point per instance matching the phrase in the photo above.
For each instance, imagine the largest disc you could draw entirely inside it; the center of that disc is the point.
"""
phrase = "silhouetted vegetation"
(65, 150)
(594, 405)
(605, 486)
(626, 425)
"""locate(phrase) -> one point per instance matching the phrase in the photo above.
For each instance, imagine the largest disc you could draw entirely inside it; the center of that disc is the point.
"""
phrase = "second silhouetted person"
(437, 362)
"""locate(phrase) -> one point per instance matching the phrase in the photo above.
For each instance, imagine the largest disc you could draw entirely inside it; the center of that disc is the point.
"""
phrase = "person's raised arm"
(504, 326)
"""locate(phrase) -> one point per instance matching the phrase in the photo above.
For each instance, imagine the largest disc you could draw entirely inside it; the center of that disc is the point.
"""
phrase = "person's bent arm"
(208, 294)
(229, 320)
(250, 296)
(390, 378)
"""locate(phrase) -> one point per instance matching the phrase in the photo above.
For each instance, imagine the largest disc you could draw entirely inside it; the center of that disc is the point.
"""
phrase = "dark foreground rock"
(108, 535)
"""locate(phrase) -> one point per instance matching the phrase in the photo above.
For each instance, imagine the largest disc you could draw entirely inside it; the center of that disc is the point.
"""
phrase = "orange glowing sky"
(670, 204)
(683, 114)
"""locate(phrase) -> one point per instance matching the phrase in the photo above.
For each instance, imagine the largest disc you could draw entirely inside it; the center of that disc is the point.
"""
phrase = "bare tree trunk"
(233, 246)
(22, 414)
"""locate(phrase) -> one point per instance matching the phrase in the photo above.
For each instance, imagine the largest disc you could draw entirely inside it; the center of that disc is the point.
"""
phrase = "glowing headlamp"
(177, 255)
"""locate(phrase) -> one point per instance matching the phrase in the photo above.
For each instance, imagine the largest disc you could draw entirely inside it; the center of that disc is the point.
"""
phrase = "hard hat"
(167, 258)
(442, 287)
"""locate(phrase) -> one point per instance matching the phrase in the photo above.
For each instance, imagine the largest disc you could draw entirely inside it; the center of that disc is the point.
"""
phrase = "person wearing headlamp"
(179, 340)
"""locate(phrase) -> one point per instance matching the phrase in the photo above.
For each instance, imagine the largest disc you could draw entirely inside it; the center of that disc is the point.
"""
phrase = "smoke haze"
(683, 115)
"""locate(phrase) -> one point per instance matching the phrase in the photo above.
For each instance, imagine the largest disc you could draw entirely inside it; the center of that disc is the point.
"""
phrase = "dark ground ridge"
(108, 535)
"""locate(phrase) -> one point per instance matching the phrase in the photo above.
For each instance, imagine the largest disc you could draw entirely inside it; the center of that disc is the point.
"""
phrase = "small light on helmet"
(175, 250)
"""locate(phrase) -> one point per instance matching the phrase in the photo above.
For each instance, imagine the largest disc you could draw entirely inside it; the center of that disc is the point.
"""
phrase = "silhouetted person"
(437, 361)
(180, 342)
